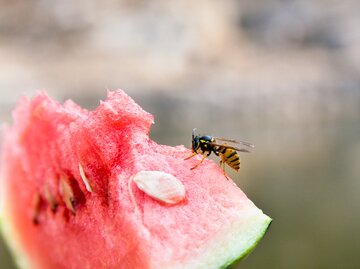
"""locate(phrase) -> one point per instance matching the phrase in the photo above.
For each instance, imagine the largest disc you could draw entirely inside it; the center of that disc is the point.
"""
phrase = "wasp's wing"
(229, 147)
(250, 145)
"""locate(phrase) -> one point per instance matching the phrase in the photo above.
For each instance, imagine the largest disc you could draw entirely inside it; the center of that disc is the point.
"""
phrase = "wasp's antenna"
(193, 133)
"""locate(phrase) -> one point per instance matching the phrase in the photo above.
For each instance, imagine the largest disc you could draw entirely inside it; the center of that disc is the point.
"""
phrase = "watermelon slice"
(66, 201)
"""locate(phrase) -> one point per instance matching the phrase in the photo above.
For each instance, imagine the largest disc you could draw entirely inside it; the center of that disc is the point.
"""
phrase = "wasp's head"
(195, 141)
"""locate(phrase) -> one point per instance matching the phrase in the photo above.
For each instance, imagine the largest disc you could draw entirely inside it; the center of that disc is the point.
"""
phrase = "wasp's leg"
(192, 155)
(222, 164)
(204, 157)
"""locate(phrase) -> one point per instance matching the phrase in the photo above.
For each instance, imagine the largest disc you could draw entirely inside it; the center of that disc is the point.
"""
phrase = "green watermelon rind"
(243, 255)
(9, 236)
(232, 243)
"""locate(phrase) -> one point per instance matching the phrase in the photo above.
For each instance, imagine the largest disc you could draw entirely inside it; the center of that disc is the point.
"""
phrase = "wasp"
(206, 144)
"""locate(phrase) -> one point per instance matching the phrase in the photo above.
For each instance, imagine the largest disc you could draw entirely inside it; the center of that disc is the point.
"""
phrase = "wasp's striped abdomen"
(230, 156)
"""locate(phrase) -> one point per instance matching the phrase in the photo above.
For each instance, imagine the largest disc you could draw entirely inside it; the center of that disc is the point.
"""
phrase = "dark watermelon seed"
(51, 200)
(36, 208)
(67, 194)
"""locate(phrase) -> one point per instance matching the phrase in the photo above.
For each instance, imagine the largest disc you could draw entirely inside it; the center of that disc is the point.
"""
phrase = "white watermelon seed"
(84, 178)
(161, 186)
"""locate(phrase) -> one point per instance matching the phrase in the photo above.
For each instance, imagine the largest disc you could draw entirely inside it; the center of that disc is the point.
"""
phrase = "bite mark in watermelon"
(65, 201)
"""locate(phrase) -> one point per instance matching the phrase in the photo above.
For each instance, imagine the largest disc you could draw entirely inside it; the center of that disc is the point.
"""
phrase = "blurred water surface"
(281, 74)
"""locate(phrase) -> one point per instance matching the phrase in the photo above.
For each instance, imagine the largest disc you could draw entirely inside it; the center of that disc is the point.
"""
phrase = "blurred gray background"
(281, 74)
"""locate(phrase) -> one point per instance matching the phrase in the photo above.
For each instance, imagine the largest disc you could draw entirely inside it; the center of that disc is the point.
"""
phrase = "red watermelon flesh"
(53, 221)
